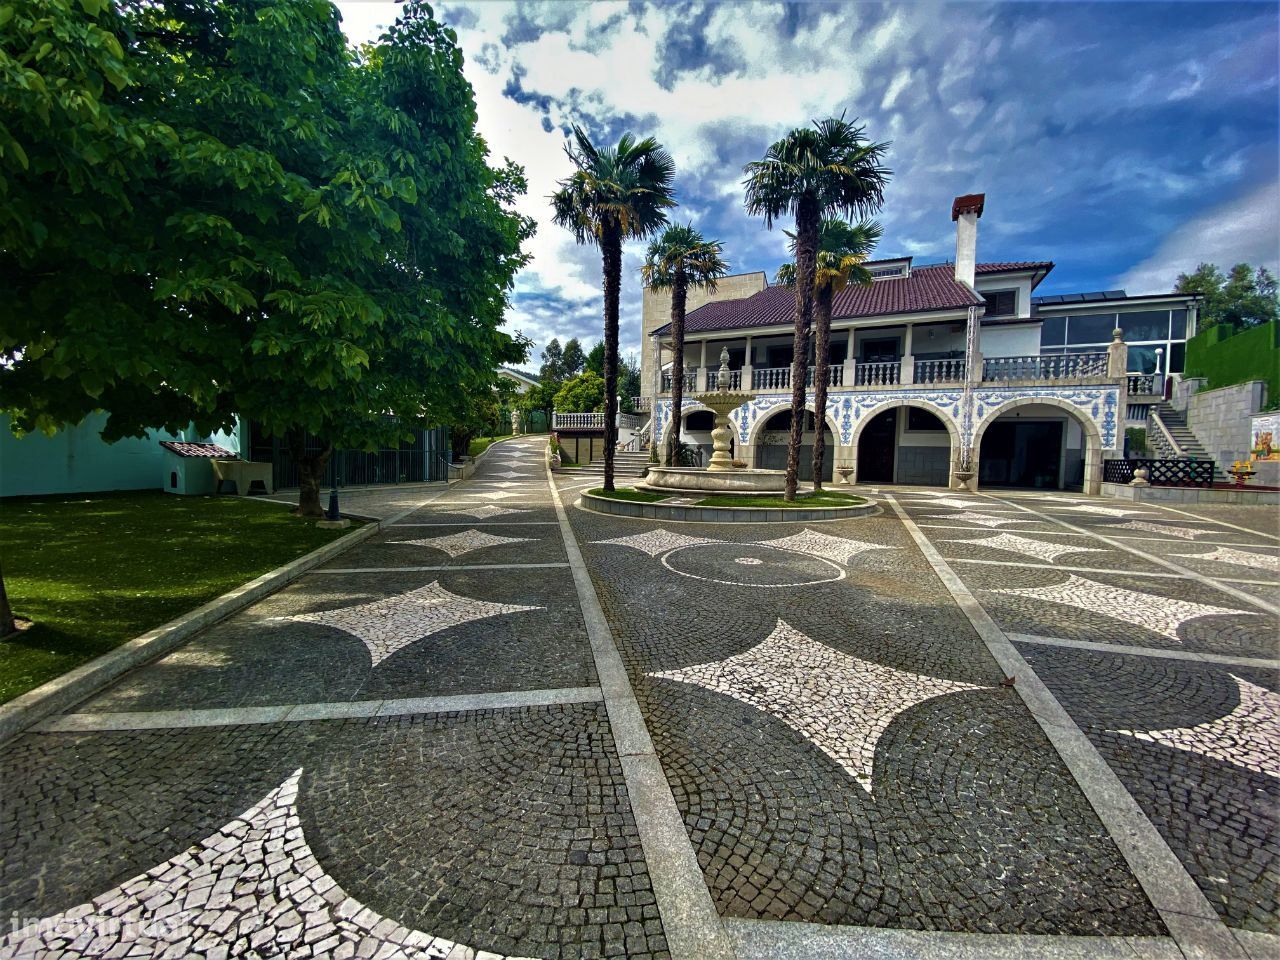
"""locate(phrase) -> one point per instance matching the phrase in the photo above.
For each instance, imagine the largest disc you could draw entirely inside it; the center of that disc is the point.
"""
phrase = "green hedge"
(1225, 359)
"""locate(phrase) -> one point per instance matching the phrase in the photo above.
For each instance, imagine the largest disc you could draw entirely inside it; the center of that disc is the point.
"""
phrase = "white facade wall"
(1014, 340)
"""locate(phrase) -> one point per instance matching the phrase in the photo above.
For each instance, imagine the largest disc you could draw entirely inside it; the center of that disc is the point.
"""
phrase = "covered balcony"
(908, 356)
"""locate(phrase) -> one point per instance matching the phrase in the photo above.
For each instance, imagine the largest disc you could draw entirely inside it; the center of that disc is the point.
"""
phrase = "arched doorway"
(695, 431)
(1037, 445)
(905, 444)
(771, 445)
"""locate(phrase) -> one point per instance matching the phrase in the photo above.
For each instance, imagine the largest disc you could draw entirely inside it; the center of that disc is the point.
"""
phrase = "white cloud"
(1243, 230)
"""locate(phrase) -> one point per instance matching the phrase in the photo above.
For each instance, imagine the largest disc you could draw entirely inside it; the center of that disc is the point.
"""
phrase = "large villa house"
(932, 366)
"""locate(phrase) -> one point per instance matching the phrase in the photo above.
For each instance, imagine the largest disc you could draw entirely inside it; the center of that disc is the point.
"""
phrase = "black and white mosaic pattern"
(1163, 615)
(1239, 558)
(253, 889)
(457, 544)
(1248, 736)
(1038, 549)
(655, 542)
(840, 703)
(389, 625)
(812, 543)
(981, 519)
(1184, 533)
(486, 512)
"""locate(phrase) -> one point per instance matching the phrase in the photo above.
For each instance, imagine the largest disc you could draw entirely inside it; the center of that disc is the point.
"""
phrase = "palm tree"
(615, 194)
(679, 257)
(842, 248)
(812, 172)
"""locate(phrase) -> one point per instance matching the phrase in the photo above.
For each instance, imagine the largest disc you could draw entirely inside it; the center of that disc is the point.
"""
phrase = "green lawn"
(826, 498)
(95, 570)
(481, 444)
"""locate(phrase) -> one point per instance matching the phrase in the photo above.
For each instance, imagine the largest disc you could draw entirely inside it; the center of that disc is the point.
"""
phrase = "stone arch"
(757, 426)
(866, 416)
(1092, 435)
(687, 407)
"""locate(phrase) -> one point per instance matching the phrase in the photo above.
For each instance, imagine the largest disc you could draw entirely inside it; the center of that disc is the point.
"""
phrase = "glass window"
(1145, 325)
(1177, 358)
(1053, 331)
(1095, 328)
(1142, 359)
(1180, 331)
(1001, 303)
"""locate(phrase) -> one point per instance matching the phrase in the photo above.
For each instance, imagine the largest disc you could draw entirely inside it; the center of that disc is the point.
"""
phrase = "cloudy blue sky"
(1125, 142)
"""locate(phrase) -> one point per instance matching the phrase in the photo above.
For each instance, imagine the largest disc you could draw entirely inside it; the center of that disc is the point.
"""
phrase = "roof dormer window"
(898, 269)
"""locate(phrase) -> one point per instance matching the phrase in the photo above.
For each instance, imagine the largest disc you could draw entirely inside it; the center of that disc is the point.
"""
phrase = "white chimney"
(965, 211)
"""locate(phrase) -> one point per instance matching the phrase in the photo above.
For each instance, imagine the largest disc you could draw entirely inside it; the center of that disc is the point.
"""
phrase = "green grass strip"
(95, 570)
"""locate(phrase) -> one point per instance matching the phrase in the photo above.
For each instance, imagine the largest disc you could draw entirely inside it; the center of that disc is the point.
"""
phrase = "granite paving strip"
(1198, 656)
(453, 566)
(790, 940)
(690, 922)
(297, 712)
(1187, 913)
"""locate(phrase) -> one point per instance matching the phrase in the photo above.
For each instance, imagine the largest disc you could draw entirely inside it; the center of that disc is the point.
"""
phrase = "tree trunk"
(679, 292)
(611, 252)
(807, 220)
(310, 475)
(821, 371)
(7, 626)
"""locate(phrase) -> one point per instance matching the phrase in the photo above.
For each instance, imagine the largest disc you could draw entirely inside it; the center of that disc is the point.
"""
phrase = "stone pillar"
(1117, 356)
(848, 361)
(748, 365)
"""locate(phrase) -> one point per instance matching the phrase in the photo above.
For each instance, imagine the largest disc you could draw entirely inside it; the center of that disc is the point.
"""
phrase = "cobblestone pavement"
(507, 727)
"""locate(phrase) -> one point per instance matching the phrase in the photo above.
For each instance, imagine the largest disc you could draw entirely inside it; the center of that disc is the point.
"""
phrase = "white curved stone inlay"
(654, 542)
(982, 519)
(253, 889)
(1108, 511)
(1249, 736)
(1028, 547)
(485, 512)
(1240, 558)
(389, 625)
(456, 544)
(1185, 533)
(1163, 615)
(813, 543)
(839, 703)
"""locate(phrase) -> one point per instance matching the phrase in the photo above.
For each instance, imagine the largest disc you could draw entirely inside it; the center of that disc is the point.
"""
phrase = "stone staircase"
(627, 466)
(1185, 446)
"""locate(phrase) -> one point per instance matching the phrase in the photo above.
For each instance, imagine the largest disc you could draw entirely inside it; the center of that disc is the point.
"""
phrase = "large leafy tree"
(681, 256)
(615, 194)
(842, 249)
(1243, 298)
(582, 394)
(829, 168)
(217, 209)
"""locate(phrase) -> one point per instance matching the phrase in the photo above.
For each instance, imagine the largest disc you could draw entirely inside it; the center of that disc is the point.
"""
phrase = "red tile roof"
(198, 449)
(927, 289)
(1011, 265)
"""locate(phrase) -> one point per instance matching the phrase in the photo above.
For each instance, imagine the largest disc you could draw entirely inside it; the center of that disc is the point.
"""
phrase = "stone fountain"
(720, 476)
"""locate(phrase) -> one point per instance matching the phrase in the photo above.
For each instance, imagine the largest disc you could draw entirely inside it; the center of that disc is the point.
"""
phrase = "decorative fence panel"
(425, 459)
(690, 381)
(939, 371)
(1068, 366)
(877, 374)
(577, 421)
(771, 378)
(1163, 473)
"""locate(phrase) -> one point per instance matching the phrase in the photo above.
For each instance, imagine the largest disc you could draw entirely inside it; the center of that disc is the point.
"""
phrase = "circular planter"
(695, 480)
(685, 513)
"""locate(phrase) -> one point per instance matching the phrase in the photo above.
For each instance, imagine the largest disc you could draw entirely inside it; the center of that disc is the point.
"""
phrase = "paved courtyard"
(1007, 725)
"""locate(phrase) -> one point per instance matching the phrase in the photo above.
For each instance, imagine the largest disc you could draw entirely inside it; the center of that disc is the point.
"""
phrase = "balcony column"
(747, 364)
(700, 378)
(848, 360)
(907, 370)
(1117, 356)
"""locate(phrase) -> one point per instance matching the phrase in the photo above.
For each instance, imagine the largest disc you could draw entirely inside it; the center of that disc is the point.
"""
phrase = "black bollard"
(333, 513)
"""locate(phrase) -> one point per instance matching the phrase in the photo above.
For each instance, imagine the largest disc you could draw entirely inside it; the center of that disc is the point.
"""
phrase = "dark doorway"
(1021, 453)
(773, 456)
(881, 350)
(875, 448)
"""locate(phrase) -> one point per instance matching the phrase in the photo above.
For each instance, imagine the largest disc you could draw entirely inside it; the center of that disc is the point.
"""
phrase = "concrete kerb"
(679, 513)
(87, 679)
